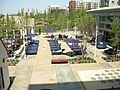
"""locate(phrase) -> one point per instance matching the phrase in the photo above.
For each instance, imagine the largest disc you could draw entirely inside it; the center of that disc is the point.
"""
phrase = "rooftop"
(115, 8)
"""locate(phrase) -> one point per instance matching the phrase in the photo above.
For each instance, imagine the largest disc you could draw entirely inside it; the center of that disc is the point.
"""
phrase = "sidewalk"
(43, 76)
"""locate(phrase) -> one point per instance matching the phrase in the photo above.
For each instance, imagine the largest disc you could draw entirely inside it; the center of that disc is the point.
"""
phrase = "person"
(39, 31)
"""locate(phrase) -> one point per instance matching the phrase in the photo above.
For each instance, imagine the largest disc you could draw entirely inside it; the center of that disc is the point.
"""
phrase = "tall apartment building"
(109, 3)
(72, 5)
(52, 8)
(88, 5)
(4, 75)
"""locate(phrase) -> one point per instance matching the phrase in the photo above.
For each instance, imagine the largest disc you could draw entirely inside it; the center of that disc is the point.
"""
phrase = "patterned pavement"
(66, 78)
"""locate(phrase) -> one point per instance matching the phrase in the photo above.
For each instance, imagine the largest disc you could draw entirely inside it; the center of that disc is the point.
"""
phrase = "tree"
(85, 23)
(2, 26)
(115, 25)
(9, 25)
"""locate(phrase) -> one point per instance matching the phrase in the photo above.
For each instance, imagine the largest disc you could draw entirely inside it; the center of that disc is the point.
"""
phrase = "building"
(104, 3)
(4, 75)
(72, 5)
(104, 18)
(21, 25)
(52, 8)
(109, 3)
(88, 5)
(95, 5)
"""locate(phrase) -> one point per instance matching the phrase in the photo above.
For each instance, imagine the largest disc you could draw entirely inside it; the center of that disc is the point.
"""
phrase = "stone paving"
(66, 78)
(23, 75)
(38, 73)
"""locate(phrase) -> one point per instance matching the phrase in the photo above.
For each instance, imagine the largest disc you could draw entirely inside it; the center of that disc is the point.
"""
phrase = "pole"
(95, 42)
(67, 24)
(75, 28)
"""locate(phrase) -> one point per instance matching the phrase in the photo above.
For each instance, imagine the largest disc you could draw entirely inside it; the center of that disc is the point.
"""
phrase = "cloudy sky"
(13, 6)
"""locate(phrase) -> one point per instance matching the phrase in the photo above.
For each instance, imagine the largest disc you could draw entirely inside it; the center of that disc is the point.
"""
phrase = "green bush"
(82, 60)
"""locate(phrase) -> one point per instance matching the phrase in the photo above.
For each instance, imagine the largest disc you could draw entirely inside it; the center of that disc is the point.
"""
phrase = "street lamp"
(96, 41)
(75, 28)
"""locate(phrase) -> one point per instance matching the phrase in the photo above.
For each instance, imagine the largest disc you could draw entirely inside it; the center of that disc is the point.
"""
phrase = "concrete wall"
(4, 66)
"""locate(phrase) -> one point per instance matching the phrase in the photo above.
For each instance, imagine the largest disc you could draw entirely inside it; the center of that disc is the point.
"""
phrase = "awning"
(49, 30)
(72, 41)
(30, 35)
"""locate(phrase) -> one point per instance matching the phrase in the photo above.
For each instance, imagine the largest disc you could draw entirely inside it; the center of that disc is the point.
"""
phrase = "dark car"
(100, 44)
(110, 51)
(34, 42)
(31, 51)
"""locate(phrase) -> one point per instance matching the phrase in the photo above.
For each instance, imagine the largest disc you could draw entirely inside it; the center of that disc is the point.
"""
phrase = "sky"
(13, 6)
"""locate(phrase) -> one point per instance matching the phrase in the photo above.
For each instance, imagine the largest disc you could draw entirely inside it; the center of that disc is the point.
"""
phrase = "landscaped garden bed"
(112, 58)
(81, 60)
(13, 62)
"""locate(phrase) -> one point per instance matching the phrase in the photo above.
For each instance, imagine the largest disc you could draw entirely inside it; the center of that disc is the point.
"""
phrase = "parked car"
(110, 51)
(100, 44)
(34, 42)
(31, 51)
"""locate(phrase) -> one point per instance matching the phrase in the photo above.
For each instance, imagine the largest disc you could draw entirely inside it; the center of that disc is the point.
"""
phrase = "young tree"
(2, 26)
(85, 24)
(115, 25)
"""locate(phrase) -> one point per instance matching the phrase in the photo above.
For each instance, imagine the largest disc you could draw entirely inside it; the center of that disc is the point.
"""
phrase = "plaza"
(39, 73)
(60, 45)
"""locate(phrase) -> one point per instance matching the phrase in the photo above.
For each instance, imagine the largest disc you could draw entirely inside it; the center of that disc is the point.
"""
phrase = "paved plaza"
(37, 72)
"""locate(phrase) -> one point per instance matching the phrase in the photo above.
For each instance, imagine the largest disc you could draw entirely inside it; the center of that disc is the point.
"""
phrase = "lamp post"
(95, 42)
(75, 28)
(24, 43)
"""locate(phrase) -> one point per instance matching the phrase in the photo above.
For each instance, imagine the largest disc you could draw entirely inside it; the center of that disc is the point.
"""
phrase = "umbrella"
(18, 35)
(30, 35)
(50, 30)
(72, 41)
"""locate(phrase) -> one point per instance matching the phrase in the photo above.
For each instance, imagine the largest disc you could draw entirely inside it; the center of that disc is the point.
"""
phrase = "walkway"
(23, 74)
(66, 78)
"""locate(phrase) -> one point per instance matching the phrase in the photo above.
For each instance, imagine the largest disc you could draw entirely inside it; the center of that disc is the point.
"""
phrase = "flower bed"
(112, 58)
(82, 60)
(13, 62)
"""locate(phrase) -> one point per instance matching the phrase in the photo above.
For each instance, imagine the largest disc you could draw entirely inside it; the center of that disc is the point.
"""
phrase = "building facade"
(4, 75)
(52, 8)
(24, 27)
(104, 18)
(88, 5)
(109, 3)
(72, 5)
